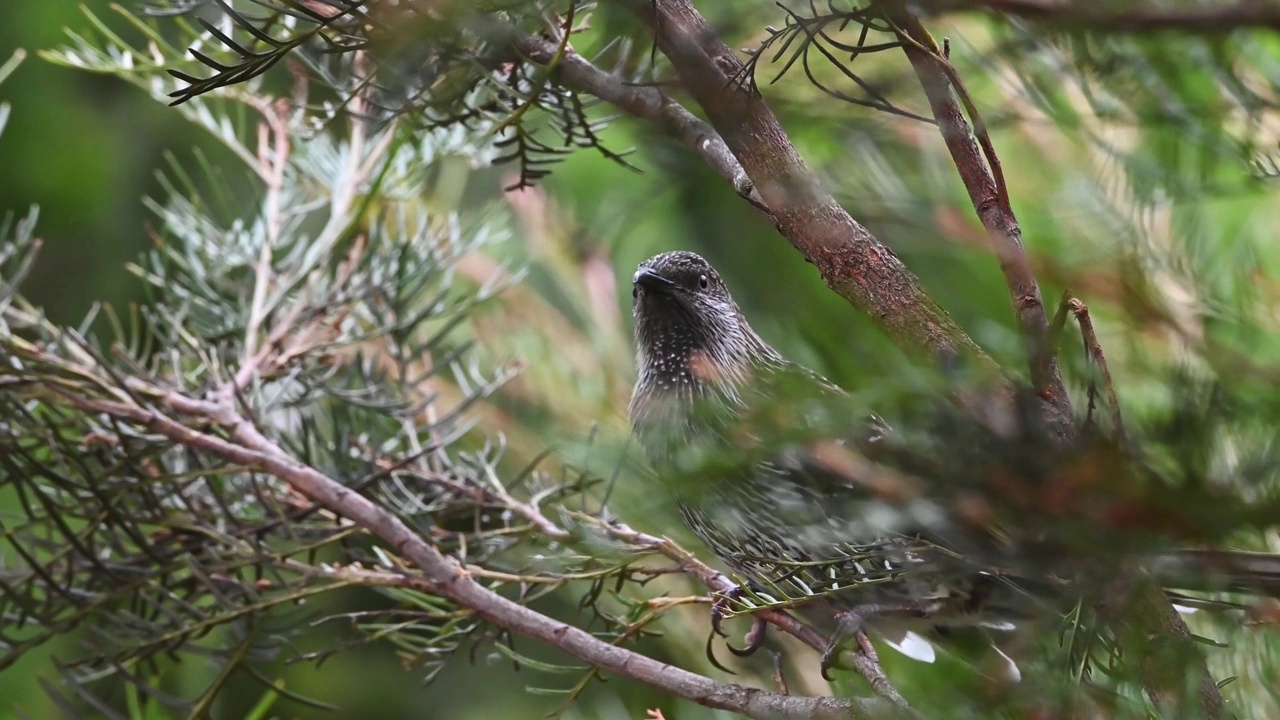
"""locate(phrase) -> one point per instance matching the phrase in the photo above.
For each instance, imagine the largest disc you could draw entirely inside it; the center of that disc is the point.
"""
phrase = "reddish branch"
(852, 262)
(979, 168)
(1129, 17)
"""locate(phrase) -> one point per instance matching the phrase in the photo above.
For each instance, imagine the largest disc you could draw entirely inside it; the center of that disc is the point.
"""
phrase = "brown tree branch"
(1209, 18)
(646, 103)
(979, 168)
(866, 663)
(1145, 620)
(851, 261)
(248, 448)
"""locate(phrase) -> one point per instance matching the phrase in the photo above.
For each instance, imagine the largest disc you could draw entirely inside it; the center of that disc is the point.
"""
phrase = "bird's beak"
(650, 281)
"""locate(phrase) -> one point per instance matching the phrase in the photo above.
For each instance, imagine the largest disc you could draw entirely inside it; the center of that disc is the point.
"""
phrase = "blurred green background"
(83, 148)
(1150, 223)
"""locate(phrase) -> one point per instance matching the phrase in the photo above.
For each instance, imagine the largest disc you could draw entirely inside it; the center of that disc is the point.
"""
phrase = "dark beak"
(650, 281)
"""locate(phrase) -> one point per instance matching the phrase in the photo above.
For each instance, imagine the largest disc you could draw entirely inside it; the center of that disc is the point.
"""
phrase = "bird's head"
(689, 331)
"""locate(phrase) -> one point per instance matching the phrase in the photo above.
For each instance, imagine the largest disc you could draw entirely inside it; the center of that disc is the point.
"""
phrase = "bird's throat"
(678, 365)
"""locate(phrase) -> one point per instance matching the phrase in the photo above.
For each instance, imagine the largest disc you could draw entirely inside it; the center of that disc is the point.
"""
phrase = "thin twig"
(646, 103)
(273, 158)
(1053, 339)
(1135, 599)
(496, 493)
(529, 511)
(780, 674)
(1093, 349)
(864, 662)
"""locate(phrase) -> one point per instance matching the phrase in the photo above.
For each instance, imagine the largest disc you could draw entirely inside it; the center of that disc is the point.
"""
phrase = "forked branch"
(853, 263)
(979, 168)
(646, 103)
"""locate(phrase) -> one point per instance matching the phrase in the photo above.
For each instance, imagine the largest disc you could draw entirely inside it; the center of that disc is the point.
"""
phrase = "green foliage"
(342, 253)
(339, 308)
(447, 67)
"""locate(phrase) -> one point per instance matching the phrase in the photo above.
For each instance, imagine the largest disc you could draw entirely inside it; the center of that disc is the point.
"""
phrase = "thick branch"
(852, 262)
(979, 169)
(444, 576)
(1209, 18)
(1168, 662)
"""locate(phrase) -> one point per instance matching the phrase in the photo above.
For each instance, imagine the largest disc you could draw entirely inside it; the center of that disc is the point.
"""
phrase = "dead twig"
(646, 103)
(1093, 352)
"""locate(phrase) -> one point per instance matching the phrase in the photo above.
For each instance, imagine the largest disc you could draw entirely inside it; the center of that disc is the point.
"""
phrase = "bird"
(788, 524)
(820, 522)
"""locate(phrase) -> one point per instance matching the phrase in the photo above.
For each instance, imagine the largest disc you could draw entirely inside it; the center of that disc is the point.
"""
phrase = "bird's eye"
(703, 282)
(635, 291)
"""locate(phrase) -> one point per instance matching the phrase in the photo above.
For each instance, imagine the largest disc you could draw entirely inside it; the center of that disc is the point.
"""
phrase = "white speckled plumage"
(783, 525)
